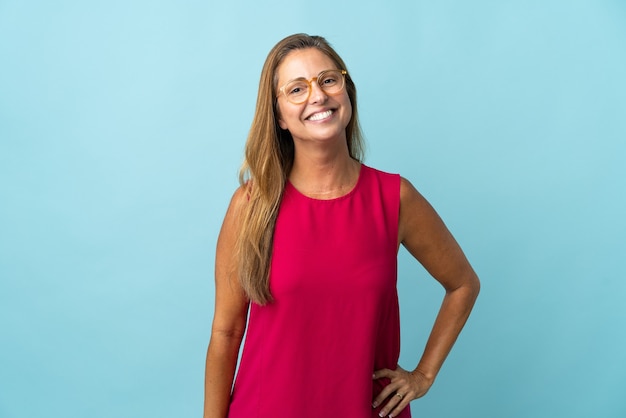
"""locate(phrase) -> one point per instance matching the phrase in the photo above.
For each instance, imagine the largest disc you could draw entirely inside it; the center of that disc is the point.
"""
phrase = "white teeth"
(321, 115)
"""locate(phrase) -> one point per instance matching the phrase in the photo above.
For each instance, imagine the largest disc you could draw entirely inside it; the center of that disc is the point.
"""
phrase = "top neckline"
(362, 167)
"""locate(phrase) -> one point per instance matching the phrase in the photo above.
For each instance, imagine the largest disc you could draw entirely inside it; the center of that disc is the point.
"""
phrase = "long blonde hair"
(269, 155)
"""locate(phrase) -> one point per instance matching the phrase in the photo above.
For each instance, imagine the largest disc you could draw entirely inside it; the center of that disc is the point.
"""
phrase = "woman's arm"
(426, 237)
(229, 320)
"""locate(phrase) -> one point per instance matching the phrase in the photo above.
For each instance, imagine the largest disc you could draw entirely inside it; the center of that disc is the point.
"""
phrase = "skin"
(322, 165)
(323, 169)
(426, 237)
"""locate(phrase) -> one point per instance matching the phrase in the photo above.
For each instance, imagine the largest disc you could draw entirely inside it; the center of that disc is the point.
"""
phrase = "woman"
(309, 247)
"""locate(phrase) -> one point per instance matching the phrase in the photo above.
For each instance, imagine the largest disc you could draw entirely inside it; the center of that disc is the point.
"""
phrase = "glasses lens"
(331, 81)
(297, 91)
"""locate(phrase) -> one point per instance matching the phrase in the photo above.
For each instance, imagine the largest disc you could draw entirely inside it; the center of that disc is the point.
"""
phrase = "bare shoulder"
(416, 214)
(225, 265)
(408, 193)
(240, 197)
(424, 234)
(232, 218)
(232, 223)
(230, 299)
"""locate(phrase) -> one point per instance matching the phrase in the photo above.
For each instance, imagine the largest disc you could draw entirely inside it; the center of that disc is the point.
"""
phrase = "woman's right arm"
(229, 320)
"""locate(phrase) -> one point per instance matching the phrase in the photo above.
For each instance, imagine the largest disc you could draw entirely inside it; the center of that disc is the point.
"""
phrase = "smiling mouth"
(320, 115)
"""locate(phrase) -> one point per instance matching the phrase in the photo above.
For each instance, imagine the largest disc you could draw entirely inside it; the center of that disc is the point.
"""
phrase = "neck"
(324, 176)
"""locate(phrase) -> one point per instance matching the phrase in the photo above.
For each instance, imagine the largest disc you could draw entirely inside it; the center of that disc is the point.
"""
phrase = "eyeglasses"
(298, 91)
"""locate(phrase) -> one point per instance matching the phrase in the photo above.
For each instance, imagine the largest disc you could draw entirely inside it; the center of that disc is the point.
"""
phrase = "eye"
(296, 89)
(328, 80)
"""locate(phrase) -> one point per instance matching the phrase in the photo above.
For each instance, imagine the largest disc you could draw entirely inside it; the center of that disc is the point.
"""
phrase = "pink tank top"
(335, 318)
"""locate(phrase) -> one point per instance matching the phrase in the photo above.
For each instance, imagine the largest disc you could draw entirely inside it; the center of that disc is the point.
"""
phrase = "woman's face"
(322, 117)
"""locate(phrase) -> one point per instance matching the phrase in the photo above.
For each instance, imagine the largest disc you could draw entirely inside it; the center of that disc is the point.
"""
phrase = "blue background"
(122, 126)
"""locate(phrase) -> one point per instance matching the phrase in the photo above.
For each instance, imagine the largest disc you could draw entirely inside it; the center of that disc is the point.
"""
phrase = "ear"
(281, 122)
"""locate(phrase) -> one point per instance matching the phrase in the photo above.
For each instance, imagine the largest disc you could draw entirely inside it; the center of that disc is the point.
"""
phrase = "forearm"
(221, 362)
(455, 309)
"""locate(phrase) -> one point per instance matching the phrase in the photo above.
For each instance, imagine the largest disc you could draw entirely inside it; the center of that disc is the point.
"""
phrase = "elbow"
(473, 287)
(468, 286)
(225, 343)
(235, 334)
(472, 284)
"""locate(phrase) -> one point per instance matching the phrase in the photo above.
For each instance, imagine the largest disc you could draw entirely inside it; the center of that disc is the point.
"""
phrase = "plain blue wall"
(122, 126)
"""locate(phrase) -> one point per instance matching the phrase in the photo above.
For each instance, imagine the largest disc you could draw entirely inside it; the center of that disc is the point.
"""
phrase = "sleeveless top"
(334, 320)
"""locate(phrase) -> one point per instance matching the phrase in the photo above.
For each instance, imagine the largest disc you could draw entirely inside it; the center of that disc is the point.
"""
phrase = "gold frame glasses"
(298, 90)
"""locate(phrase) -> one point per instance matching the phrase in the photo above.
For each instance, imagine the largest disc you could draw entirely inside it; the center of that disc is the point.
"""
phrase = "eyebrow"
(308, 79)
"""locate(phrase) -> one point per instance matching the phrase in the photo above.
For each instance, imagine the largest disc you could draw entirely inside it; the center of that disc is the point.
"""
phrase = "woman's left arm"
(426, 237)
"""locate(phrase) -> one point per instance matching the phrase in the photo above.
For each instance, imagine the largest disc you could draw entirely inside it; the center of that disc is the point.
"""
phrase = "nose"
(317, 94)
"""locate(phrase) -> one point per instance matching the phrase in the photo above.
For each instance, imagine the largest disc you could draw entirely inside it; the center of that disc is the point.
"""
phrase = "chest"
(333, 249)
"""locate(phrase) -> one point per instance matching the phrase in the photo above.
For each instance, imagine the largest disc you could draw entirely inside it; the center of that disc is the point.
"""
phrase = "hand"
(404, 387)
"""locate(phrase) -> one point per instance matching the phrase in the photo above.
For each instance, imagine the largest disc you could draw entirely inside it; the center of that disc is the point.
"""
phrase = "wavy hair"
(269, 155)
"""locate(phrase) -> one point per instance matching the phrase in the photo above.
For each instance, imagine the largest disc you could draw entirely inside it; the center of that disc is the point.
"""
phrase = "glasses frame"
(309, 82)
